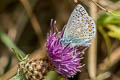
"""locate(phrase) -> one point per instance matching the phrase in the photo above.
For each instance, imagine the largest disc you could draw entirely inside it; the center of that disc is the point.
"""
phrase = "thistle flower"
(65, 59)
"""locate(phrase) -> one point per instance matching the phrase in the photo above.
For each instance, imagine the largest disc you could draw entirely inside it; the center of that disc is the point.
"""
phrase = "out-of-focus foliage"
(115, 0)
(111, 23)
(109, 26)
(5, 39)
(52, 75)
(5, 3)
(7, 67)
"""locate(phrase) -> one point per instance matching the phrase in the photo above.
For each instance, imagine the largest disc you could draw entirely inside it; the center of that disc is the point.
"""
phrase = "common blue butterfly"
(80, 29)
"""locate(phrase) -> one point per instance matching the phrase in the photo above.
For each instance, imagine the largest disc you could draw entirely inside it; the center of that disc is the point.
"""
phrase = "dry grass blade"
(9, 74)
(113, 6)
(33, 19)
(93, 49)
(104, 9)
(110, 61)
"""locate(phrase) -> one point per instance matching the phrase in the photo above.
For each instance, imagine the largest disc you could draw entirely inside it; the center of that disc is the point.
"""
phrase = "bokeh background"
(27, 22)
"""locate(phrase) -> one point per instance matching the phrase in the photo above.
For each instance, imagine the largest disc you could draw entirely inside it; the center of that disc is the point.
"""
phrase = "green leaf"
(109, 18)
(115, 0)
(107, 39)
(52, 75)
(5, 39)
(109, 26)
(114, 31)
(18, 77)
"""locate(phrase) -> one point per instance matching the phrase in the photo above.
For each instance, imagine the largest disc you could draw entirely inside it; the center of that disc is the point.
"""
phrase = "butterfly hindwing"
(80, 28)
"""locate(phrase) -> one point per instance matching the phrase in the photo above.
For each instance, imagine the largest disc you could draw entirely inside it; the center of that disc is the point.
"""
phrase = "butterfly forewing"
(80, 28)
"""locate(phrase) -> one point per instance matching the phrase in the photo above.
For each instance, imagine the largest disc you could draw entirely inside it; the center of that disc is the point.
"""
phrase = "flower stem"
(18, 77)
(5, 39)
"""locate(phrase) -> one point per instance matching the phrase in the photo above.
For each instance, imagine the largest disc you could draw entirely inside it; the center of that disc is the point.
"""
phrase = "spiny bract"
(34, 69)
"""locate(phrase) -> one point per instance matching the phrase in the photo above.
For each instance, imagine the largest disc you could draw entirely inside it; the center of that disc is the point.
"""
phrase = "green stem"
(5, 39)
(18, 77)
(107, 40)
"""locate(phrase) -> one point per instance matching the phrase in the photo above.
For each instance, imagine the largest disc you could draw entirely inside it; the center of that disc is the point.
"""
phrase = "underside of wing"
(80, 28)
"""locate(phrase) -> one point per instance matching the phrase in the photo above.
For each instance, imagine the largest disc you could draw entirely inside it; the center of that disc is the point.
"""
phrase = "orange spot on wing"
(89, 26)
(82, 19)
(90, 30)
(88, 22)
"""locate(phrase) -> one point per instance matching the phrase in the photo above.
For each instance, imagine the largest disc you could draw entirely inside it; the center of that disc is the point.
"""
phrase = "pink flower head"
(65, 59)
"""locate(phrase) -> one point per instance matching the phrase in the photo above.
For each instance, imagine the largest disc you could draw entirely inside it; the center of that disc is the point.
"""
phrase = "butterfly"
(80, 28)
